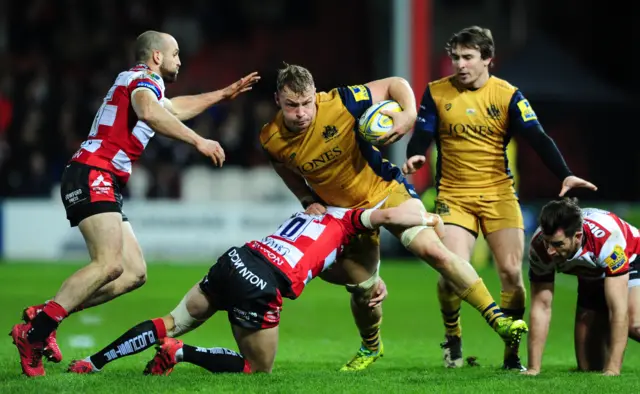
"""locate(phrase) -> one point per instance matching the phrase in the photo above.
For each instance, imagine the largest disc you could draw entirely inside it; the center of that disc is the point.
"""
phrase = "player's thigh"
(507, 245)
(459, 240)
(103, 235)
(133, 259)
(499, 212)
(590, 339)
(634, 302)
(198, 304)
(591, 326)
(195, 308)
(93, 202)
(358, 262)
(258, 347)
(427, 245)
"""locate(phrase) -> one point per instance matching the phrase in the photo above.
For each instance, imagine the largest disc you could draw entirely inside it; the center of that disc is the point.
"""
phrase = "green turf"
(317, 337)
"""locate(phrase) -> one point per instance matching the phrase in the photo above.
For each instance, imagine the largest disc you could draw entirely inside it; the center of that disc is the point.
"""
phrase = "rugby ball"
(373, 125)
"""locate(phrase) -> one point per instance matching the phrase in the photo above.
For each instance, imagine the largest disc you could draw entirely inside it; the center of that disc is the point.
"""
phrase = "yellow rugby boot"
(511, 330)
(363, 359)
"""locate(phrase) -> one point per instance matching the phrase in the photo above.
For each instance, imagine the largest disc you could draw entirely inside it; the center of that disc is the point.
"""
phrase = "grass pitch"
(317, 337)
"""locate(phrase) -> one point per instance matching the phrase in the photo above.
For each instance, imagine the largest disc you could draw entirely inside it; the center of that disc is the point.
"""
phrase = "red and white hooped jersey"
(117, 138)
(610, 246)
(305, 245)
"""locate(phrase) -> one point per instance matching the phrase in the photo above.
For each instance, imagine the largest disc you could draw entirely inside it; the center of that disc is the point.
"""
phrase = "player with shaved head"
(133, 110)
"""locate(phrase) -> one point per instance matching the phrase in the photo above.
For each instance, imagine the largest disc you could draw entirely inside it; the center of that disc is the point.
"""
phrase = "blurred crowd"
(59, 58)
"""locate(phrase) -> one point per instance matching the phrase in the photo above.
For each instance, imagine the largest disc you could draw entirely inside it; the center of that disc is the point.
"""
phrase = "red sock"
(46, 322)
(161, 329)
(55, 311)
(247, 367)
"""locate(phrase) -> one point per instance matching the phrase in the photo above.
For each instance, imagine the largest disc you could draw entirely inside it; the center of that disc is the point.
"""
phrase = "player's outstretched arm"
(187, 107)
(540, 318)
(398, 89)
(148, 109)
(525, 121)
(616, 294)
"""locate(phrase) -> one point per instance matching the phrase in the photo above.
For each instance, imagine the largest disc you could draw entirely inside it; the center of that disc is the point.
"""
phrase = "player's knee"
(112, 270)
(136, 275)
(135, 265)
(444, 285)
(133, 280)
(180, 320)
(634, 331)
(139, 280)
(436, 254)
(361, 293)
(634, 326)
(511, 275)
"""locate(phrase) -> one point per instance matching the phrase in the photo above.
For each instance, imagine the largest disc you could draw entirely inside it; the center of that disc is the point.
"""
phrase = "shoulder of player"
(440, 84)
(601, 232)
(328, 97)
(270, 130)
(600, 224)
(330, 105)
(145, 75)
(503, 85)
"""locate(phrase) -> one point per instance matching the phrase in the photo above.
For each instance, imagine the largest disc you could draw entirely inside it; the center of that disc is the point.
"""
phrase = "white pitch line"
(81, 341)
(90, 320)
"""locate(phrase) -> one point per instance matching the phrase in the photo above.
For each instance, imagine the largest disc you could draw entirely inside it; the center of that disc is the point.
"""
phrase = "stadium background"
(58, 58)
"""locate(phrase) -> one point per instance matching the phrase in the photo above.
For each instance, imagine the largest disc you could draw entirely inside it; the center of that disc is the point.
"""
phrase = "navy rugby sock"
(215, 359)
(137, 339)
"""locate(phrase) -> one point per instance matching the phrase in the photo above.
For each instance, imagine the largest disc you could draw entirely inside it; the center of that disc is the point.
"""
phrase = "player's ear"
(275, 97)
(487, 61)
(578, 236)
(157, 57)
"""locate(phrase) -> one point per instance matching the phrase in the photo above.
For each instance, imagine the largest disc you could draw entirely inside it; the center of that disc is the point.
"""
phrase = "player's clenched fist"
(413, 164)
(211, 149)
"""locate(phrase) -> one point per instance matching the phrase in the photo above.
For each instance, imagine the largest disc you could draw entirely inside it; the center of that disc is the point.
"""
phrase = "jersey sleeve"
(427, 120)
(521, 114)
(612, 257)
(349, 218)
(144, 81)
(266, 134)
(356, 98)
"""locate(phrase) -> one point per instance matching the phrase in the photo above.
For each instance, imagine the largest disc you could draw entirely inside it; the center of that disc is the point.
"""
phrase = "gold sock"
(450, 308)
(371, 339)
(479, 297)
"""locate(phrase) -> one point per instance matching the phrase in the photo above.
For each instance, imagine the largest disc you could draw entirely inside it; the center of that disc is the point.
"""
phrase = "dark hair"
(562, 214)
(146, 43)
(474, 37)
(296, 78)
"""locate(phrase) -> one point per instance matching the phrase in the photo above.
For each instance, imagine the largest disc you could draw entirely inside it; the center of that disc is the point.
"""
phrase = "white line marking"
(81, 341)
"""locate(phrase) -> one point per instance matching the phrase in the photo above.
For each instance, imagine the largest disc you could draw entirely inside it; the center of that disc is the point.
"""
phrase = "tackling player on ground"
(314, 147)
(134, 109)
(248, 282)
(471, 116)
(602, 250)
